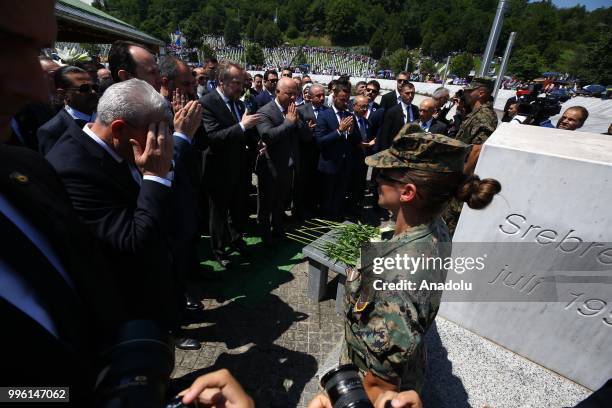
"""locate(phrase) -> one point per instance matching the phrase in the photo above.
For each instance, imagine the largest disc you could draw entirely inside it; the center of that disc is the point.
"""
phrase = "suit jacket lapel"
(224, 109)
(119, 173)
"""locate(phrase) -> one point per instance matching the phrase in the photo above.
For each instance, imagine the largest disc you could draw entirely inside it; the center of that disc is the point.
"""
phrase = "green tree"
(300, 58)
(292, 32)
(397, 60)
(427, 67)
(206, 52)
(268, 35)
(250, 28)
(340, 21)
(384, 63)
(595, 66)
(462, 64)
(377, 44)
(394, 41)
(231, 33)
(526, 63)
(254, 55)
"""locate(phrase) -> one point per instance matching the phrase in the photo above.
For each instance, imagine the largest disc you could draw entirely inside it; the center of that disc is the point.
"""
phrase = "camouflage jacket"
(385, 329)
(478, 125)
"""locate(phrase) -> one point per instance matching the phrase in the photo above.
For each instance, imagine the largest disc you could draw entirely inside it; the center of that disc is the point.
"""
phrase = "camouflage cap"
(477, 82)
(415, 149)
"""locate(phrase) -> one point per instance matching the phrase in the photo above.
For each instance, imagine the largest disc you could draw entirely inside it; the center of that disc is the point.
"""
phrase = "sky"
(590, 4)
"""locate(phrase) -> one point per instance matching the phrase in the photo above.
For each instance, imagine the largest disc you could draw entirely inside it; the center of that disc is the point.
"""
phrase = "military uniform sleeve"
(482, 133)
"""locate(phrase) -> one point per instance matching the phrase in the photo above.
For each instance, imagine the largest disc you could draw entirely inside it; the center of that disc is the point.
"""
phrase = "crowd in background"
(143, 155)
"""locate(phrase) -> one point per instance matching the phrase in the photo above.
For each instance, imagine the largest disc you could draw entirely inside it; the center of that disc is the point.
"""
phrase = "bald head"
(286, 91)
(286, 82)
(360, 105)
(426, 109)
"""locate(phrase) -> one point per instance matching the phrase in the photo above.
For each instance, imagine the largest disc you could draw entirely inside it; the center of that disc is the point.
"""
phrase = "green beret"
(478, 82)
(415, 149)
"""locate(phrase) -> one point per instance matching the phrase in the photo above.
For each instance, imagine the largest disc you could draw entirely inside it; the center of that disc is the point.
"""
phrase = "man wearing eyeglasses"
(391, 99)
(372, 90)
(80, 97)
(270, 80)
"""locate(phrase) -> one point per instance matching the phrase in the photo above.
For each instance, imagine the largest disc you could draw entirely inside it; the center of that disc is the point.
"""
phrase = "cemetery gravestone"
(556, 196)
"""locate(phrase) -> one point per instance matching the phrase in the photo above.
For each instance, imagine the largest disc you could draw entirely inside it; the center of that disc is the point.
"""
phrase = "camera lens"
(344, 388)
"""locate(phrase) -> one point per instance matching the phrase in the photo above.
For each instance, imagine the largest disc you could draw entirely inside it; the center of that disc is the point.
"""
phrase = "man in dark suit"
(372, 90)
(390, 99)
(128, 60)
(257, 84)
(359, 168)
(122, 191)
(397, 116)
(80, 97)
(57, 301)
(269, 91)
(227, 127)
(428, 123)
(307, 186)
(281, 128)
(338, 138)
(28, 120)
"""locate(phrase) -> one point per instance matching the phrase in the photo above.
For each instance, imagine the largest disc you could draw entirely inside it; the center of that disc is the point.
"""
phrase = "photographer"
(535, 108)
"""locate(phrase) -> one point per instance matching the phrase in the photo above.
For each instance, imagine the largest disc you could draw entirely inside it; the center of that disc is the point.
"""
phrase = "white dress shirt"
(232, 107)
(133, 169)
(80, 115)
(408, 116)
(426, 125)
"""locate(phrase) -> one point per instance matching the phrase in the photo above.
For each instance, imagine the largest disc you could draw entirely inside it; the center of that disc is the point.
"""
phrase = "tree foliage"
(254, 55)
(231, 33)
(377, 44)
(397, 60)
(461, 64)
(562, 36)
(526, 63)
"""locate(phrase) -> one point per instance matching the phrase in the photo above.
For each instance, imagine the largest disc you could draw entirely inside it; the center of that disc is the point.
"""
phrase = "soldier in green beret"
(475, 129)
(385, 329)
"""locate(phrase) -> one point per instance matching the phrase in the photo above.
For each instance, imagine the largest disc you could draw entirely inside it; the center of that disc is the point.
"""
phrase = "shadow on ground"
(442, 389)
(273, 375)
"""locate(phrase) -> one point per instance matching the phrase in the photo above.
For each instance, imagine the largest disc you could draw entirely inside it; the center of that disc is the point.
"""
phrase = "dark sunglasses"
(403, 81)
(382, 176)
(273, 80)
(86, 88)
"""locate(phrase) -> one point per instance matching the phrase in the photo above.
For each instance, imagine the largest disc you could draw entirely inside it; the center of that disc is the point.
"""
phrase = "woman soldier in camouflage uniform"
(385, 329)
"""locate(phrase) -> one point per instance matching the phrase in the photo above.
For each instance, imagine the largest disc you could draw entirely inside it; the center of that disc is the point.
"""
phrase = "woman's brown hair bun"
(477, 193)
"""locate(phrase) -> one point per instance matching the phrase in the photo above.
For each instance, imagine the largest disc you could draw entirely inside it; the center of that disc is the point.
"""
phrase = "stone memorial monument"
(546, 290)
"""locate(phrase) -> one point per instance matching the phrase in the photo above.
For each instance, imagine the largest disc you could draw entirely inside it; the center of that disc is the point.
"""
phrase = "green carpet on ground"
(249, 281)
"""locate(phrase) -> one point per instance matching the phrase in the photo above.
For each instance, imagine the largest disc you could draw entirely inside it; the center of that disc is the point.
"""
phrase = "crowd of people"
(110, 174)
(319, 60)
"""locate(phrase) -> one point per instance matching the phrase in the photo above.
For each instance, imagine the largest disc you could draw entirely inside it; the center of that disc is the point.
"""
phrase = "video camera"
(135, 371)
(535, 106)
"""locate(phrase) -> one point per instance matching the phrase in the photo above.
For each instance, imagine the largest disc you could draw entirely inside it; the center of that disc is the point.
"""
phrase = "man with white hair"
(118, 174)
(442, 106)
(427, 120)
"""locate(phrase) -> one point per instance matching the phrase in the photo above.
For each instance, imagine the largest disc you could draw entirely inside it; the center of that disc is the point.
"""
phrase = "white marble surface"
(555, 184)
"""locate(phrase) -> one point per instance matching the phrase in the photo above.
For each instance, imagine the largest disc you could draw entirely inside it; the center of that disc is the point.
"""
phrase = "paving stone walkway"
(274, 349)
